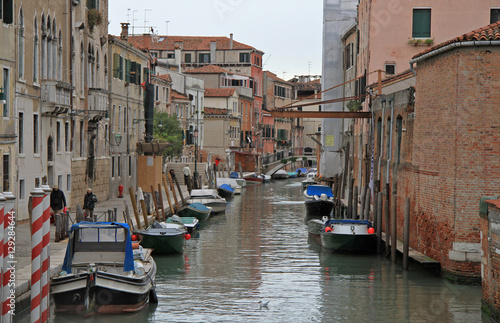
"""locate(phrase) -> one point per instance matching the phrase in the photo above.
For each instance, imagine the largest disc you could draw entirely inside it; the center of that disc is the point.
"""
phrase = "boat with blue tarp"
(319, 201)
(197, 210)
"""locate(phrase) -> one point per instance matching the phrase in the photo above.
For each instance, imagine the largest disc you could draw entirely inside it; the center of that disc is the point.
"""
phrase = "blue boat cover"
(348, 221)
(199, 206)
(226, 187)
(318, 190)
(234, 175)
(302, 170)
(128, 262)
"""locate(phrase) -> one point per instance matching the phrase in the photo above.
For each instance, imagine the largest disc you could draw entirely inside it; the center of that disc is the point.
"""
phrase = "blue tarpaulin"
(318, 190)
(226, 187)
(234, 175)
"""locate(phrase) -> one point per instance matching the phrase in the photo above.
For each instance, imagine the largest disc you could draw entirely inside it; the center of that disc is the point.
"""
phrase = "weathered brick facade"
(490, 269)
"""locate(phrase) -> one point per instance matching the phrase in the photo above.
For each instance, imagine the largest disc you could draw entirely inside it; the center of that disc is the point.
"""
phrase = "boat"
(253, 178)
(308, 181)
(231, 182)
(293, 174)
(197, 210)
(312, 173)
(190, 222)
(225, 191)
(281, 174)
(208, 197)
(266, 178)
(102, 273)
(356, 236)
(164, 237)
(301, 171)
(315, 226)
(320, 200)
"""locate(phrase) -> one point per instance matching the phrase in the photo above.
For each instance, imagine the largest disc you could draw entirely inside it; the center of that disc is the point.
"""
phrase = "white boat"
(102, 273)
(231, 182)
(308, 181)
(209, 198)
(281, 174)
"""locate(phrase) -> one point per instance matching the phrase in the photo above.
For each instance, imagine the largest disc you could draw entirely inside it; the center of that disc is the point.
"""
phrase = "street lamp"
(195, 135)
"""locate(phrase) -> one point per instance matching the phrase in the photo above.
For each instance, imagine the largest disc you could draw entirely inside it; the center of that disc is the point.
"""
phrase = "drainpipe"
(390, 143)
(381, 151)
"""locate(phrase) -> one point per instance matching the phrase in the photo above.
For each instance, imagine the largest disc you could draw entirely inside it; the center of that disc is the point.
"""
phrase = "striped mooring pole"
(8, 257)
(45, 260)
(36, 252)
(4, 287)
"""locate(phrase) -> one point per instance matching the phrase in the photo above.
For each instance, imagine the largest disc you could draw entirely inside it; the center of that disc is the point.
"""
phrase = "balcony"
(98, 99)
(56, 97)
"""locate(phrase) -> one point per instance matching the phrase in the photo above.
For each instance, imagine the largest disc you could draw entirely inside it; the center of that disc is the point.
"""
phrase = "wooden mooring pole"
(406, 234)
(355, 204)
(387, 227)
(349, 197)
(134, 207)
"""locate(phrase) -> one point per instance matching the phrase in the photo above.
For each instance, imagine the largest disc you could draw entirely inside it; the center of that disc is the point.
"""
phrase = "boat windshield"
(101, 235)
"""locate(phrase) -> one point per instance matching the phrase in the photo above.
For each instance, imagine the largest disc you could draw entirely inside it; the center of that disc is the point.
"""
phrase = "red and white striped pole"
(3, 291)
(8, 256)
(36, 251)
(45, 260)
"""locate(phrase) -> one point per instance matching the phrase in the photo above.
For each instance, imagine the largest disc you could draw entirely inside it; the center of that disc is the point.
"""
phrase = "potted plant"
(94, 18)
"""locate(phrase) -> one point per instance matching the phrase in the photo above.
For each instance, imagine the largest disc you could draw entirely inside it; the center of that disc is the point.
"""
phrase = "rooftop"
(226, 92)
(208, 69)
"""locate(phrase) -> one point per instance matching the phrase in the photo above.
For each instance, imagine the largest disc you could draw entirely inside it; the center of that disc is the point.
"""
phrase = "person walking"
(57, 203)
(89, 201)
(187, 177)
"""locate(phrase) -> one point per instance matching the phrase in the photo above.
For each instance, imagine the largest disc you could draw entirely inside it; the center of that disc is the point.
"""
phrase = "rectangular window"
(59, 180)
(129, 165)
(187, 58)
(421, 23)
(6, 91)
(93, 4)
(81, 138)
(119, 166)
(58, 136)
(156, 92)
(35, 133)
(113, 166)
(244, 57)
(21, 132)
(390, 69)
(6, 172)
(68, 182)
(22, 189)
(170, 55)
(116, 65)
(6, 11)
(66, 136)
(494, 15)
(348, 56)
(204, 58)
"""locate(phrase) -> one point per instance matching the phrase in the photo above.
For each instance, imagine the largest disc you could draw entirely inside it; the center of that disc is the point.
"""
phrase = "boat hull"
(318, 207)
(357, 243)
(225, 193)
(163, 244)
(189, 211)
(217, 205)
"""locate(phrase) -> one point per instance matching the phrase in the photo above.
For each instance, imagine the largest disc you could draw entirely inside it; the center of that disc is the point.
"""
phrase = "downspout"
(390, 143)
(381, 154)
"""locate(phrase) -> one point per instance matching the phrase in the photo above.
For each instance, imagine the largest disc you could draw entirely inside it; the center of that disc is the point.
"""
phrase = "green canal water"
(259, 250)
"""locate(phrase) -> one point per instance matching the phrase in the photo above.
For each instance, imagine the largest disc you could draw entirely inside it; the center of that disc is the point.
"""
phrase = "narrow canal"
(259, 250)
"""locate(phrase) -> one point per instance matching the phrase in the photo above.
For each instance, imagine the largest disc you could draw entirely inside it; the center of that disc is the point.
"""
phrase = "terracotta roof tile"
(494, 202)
(226, 92)
(185, 43)
(209, 69)
(490, 32)
(214, 111)
(179, 96)
(275, 77)
(165, 77)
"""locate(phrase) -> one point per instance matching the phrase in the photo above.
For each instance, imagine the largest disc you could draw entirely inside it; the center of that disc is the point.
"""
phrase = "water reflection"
(259, 250)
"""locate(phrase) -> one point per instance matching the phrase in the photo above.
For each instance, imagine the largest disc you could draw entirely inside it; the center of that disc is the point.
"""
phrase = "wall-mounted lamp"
(118, 139)
(3, 98)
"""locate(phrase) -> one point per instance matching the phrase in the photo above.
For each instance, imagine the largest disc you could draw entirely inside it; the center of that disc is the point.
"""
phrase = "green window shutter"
(128, 68)
(121, 68)
(138, 75)
(116, 65)
(421, 23)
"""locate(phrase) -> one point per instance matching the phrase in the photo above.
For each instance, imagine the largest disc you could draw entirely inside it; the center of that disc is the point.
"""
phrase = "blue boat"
(301, 171)
(234, 175)
(225, 191)
(292, 174)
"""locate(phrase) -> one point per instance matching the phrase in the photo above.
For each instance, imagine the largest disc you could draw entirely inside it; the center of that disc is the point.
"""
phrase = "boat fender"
(328, 229)
(135, 245)
(153, 298)
(187, 236)
(371, 230)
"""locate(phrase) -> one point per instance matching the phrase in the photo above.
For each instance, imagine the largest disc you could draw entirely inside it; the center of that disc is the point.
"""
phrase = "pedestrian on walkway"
(187, 177)
(57, 203)
(89, 204)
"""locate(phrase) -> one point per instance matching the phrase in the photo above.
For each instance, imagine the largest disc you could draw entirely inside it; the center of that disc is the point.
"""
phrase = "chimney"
(231, 41)
(124, 33)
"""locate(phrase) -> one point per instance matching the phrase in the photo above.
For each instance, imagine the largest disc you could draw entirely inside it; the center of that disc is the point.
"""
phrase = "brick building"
(489, 211)
(451, 157)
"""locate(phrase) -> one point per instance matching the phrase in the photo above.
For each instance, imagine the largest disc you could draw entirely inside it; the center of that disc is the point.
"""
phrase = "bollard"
(394, 228)
(45, 259)
(406, 234)
(4, 288)
(36, 249)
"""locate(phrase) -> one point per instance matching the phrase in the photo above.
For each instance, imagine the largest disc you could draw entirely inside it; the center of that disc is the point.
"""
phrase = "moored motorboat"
(266, 178)
(225, 191)
(281, 174)
(301, 171)
(208, 197)
(292, 174)
(348, 236)
(231, 182)
(317, 190)
(253, 178)
(102, 273)
(308, 181)
(315, 226)
(190, 222)
(164, 237)
(319, 200)
(197, 210)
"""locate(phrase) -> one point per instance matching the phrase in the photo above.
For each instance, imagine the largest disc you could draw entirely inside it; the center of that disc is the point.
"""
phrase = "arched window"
(82, 68)
(36, 41)
(48, 57)
(97, 66)
(54, 56)
(21, 44)
(44, 48)
(105, 71)
(89, 66)
(60, 57)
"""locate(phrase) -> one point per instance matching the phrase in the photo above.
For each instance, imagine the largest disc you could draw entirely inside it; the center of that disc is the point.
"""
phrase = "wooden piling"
(362, 201)
(161, 202)
(157, 213)
(349, 202)
(134, 207)
(394, 248)
(355, 204)
(180, 191)
(240, 169)
(375, 210)
(346, 169)
(215, 178)
(338, 194)
(174, 195)
(167, 193)
(368, 197)
(379, 220)
(143, 207)
(406, 234)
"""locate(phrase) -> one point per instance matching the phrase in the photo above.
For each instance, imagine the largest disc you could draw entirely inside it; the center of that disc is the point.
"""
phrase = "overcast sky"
(289, 32)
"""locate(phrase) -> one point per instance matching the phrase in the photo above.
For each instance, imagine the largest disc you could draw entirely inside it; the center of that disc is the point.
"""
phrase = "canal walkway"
(58, 249)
